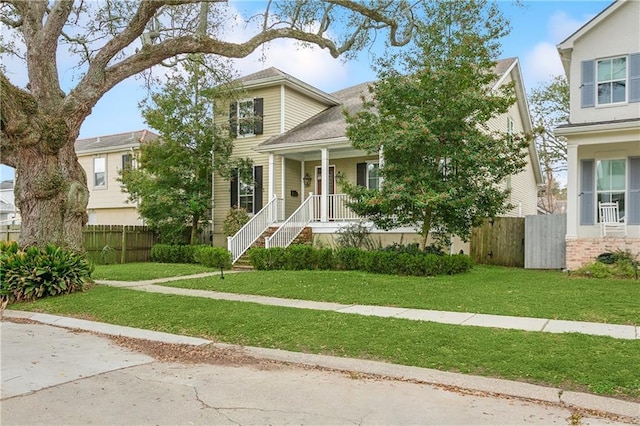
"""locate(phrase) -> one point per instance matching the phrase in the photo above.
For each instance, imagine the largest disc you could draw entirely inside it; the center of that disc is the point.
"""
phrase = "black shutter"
(234, 188)
(233, 119)
(258, 113)
(587, 88)
(257, 189)
(361, 174)
(634, 77)
(633, 206)
(587, 196)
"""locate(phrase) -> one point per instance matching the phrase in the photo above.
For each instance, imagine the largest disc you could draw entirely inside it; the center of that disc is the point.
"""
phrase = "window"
(99, 172)
(246, 117)
(610, 182)
(247, 195)
(373, 176)
(612, 80)
(510, 129)
(127, 161)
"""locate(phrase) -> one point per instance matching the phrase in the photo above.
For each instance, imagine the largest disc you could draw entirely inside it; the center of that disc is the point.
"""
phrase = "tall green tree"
(171, 181)
(549, 105)
(113, 40)
(443, 166)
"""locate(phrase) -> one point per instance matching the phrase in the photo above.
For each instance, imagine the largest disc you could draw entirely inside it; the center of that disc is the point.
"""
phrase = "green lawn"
(485, 289)
(600, 365)
(145, 271)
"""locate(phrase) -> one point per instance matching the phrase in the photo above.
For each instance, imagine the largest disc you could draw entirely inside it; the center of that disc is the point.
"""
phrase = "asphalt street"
(53, 375)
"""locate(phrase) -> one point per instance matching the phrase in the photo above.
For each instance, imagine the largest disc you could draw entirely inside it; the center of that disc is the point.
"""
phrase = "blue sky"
(536, 28)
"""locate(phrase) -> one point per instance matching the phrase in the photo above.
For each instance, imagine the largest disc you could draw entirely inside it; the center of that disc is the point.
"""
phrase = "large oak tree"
(113, 40)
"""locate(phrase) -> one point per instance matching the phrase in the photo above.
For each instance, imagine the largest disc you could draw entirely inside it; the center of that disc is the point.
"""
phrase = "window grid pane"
(611, 183)
(612, 80)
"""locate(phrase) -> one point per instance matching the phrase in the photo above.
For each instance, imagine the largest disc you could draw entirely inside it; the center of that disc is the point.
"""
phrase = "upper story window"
(245, 117)
(100, 172)
(127, 161)
(612, 80)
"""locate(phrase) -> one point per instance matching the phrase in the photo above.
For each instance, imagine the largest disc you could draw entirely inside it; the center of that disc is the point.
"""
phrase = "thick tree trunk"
(51, 193)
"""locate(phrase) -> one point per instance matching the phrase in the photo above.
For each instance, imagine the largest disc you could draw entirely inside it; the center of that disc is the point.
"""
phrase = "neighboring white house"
(9, 214)
(602, 65)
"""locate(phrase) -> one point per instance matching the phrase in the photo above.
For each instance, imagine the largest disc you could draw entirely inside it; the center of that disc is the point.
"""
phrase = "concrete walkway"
(456, 318)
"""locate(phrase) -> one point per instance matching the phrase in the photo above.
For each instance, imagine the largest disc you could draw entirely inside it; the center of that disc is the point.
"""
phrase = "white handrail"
(291, 228)
(252, 230)
(338, 209)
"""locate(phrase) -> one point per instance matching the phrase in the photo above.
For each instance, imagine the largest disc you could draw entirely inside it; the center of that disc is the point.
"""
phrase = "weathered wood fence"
(499, 242)
(106, 243)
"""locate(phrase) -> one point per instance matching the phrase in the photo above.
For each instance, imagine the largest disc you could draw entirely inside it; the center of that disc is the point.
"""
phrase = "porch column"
(572, 190)
(283, 180)
(272, 175)
(302, 194)
(324, 199)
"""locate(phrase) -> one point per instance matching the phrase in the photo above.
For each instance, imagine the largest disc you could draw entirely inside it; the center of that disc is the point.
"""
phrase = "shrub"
(376, 261)
(595, 270)
(347, 258)
(236, 218)
(169, 253)
(267, 259)
(299, 257)
(213, 257)
(34, 273)
(324, 259)
(355, 235)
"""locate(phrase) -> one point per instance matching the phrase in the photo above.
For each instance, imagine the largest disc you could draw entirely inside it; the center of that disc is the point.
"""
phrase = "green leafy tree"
(549, 105)
(443, 167)
(171, 182)
(110, 41)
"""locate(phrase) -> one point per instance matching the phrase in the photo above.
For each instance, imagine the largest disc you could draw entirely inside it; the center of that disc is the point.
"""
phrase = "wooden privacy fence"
(499, 242)
(107, 243)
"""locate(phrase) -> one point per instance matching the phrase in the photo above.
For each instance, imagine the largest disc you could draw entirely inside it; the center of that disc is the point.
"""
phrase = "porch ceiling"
(312, 150)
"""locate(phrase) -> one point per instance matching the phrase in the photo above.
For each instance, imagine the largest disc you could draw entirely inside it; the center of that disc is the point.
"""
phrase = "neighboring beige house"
(102, 158)
(298, 146)
(602, 64)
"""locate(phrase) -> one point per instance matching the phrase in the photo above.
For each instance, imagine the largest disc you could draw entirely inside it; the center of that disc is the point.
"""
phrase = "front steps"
(305, 237)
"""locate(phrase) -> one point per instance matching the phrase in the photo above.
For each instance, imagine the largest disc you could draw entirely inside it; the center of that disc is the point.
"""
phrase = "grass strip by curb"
(597, 364)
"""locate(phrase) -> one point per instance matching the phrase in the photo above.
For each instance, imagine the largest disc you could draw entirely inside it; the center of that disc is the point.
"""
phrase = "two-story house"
(102, 158)
(296, 136)
(602, 65)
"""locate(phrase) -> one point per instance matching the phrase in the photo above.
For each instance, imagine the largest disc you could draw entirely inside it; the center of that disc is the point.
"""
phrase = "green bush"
(213, 257)
(236, 218)
(378, 261)
(595, 270)
(169, 253)
(324, 259)
(34, 273)
(299, 257)
(267, 259)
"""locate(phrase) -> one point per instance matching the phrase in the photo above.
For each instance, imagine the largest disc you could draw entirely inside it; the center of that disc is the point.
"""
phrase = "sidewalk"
(455, 318)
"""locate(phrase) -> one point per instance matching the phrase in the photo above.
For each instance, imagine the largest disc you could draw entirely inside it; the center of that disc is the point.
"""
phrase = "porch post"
(272, 175)
(302, 195)
(283, 180)
(572, 190)
(324, 199)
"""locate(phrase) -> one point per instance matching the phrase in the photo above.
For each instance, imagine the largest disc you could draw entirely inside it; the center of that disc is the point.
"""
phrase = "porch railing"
(251, 231)
(291, 228)
(337, 209)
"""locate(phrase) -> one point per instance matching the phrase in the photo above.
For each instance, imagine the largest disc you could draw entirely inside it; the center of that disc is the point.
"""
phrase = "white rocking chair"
(610, 219)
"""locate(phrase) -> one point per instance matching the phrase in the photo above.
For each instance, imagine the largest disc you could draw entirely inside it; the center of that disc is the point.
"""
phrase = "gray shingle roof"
(267, 73)
(330, 123)
(110, 142)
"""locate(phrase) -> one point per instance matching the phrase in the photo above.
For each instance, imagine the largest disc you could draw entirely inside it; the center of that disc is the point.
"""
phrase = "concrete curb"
(576, 400)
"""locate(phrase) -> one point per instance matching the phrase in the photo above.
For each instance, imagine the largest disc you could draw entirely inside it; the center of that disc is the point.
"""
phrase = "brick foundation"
(581, 251)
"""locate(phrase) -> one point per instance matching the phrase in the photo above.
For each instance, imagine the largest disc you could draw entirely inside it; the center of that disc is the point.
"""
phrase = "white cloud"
(541, 63)
(561, 25)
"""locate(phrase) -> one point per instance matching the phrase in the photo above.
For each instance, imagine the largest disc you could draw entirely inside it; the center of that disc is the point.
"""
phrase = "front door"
(332, 187)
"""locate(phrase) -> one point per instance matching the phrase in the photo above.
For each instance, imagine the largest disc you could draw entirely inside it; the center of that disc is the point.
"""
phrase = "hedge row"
(214, 257)
(304, 257)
